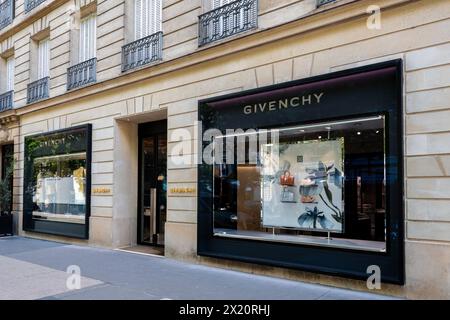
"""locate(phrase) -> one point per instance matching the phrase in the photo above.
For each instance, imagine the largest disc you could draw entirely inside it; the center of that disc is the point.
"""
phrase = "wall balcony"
(82, 74)
(6, 101)
(31, 4)
(228, 20)
(38, 90)
(142, 52)
(6, 13)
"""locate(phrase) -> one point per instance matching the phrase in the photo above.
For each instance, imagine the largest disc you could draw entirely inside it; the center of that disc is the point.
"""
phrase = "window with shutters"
(218, 3)
(85, 72)
(39, 89)
(43, 59)
(7, 83)
(147, 14)
(148, 37)
(88, 41)
(227, 18)
(10, 74)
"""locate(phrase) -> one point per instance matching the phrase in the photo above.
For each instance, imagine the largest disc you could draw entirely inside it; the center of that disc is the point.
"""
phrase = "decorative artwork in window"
(308, 194)
(320, 184)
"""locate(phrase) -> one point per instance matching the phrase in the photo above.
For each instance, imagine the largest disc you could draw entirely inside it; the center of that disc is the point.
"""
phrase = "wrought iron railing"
(228, 20)
(142, 51)
(31, 4)
(38, 90)
(6, 101)
(82, 74)
(322, 2)
(6, 12)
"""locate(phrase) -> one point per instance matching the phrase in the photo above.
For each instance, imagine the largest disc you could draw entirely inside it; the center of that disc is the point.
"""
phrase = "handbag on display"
(287, 180)
(287, 195)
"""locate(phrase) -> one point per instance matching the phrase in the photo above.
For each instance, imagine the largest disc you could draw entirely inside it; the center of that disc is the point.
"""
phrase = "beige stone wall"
(114, 29)
(418, 32)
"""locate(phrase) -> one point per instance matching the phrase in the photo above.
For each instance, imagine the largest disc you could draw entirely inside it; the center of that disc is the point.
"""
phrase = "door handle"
(153, 206)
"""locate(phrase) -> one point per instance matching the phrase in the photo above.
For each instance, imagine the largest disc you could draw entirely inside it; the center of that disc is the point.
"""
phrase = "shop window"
(319, 184)
(307, 174)
(57, 182)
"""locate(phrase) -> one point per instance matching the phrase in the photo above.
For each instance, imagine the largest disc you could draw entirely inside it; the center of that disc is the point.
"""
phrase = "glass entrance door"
(153, 187)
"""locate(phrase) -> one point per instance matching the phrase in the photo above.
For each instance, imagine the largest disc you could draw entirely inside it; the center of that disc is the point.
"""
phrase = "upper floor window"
(147, 45)
(85, 72)
(7, 83)
(6, 12)
(88, 38)
(44, 58)
(227, 18)
(218, 3)
(147, 14)
(39, 89)
(10, 74)
(31, 4)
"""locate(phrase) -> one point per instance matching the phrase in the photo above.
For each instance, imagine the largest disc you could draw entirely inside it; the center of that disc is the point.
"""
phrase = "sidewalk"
(34, 269)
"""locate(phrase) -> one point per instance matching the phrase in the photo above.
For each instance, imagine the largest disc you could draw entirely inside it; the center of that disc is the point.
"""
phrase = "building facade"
(115, 110)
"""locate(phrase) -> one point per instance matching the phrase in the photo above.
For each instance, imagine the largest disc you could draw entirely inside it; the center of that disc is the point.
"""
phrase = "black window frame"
(325, 260)
(52, 227)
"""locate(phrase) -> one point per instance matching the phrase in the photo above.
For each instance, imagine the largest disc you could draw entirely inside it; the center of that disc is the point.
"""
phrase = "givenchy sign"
(286, 103)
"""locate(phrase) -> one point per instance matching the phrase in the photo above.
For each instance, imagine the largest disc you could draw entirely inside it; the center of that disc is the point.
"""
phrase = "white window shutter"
(44, 59)
(145, 18)
(138, 19)
(148, 17)
(158, 15)
(88, 38)
(10, 74)
(218, 3)
(82, 43)
(94, 37)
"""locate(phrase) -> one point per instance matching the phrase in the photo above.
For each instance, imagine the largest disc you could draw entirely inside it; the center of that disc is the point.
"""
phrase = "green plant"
(6, 190)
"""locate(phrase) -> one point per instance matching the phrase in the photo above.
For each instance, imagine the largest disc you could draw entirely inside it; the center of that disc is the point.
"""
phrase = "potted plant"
(6, 218)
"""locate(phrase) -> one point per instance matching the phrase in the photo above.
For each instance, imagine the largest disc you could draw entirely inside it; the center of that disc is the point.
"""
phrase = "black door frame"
(146, 130)
(7, 151)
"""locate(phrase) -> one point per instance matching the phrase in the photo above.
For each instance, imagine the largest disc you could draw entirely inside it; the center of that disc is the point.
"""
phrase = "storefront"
(307, 174)
(57, 182)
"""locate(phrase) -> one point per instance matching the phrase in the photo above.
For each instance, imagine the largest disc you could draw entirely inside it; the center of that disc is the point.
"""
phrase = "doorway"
(152, 188)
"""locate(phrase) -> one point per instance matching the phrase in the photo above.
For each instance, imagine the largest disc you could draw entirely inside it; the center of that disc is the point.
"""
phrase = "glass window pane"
(56, 182)
(320, 184)
(60, 192)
